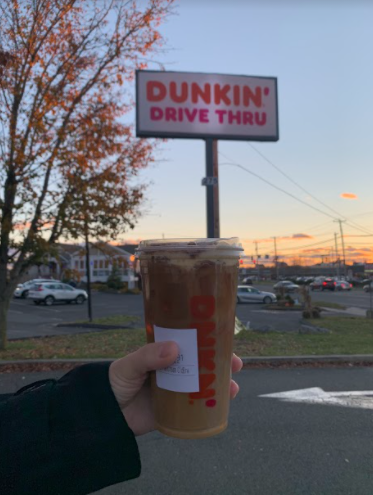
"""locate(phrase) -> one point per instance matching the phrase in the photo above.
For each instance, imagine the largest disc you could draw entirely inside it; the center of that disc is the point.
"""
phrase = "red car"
(328, 284)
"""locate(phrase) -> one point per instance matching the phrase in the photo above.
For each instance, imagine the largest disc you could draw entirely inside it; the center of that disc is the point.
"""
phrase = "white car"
(51, 292)
(251, 294)
(22, 290)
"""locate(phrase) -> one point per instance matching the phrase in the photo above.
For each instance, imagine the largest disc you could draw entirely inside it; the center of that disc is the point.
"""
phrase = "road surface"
(270, 448)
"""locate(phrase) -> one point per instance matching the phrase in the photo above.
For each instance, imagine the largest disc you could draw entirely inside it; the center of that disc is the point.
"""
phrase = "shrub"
(133, 291)
(289, 300)
(311, 313)
(114, 280)
(97, 286)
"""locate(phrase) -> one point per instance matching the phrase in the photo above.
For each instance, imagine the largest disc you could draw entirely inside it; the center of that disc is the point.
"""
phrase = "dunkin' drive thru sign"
(216, 106)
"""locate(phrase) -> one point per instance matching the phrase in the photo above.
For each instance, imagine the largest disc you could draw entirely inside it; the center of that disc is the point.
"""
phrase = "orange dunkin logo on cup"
(203, 309)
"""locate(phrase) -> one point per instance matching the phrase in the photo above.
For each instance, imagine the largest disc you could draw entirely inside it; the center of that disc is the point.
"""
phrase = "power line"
(308, 245)
(305, 190)
(292, 180)
(304, 246)
(356, 227)
(359, 244)
(356, 235)
(350, 223)
(276, 187)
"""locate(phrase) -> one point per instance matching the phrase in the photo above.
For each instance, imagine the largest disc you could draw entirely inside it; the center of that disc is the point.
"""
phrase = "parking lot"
(27, 320)
(354, 298)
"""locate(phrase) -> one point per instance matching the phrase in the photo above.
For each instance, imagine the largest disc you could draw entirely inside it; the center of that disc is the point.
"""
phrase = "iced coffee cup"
(190, 290)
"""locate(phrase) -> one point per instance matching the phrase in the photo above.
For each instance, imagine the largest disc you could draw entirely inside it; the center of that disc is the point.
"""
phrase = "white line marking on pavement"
(357, 399)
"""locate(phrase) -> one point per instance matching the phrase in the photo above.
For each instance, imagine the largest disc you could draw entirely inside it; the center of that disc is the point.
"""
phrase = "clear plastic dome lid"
(190, 244)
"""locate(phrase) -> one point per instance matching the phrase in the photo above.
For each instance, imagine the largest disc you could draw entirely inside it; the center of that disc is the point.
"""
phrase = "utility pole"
(87, 259)
(343, 246)
(276, 259)
(337, 263)
(257, 259)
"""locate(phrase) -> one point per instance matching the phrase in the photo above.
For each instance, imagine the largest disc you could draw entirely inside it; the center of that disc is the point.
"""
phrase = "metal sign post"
(211, 181)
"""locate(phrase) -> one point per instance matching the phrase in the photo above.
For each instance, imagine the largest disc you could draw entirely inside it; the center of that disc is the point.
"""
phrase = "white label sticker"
(182, 375)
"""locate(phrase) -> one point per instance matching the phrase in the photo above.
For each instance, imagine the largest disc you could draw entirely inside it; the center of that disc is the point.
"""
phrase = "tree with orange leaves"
(66, 151)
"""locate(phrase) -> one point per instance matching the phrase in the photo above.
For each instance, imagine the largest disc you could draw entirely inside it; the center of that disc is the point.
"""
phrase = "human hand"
(129, 381)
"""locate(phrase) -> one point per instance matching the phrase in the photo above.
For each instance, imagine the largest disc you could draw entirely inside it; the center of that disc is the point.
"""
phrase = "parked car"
(368, 287)
(49, 293)
(328, 284)
(247, 281)
(303, 280)
(317, 284)
(286, 285)
(342, 285)
(251, 294)
(22, 290)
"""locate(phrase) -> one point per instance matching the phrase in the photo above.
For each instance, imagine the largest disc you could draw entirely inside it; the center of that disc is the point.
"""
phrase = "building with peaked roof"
(72, 258)
(103, 257)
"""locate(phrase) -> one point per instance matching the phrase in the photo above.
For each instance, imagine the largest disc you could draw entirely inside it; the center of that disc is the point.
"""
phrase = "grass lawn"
(112, 320)
(327, 304)
(102, 344)
(348, 336)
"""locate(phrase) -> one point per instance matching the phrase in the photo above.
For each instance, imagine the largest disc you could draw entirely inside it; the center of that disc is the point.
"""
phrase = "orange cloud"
(349, 196)
(22, 226)
(125, 241)
(294, 237)
(27, 225)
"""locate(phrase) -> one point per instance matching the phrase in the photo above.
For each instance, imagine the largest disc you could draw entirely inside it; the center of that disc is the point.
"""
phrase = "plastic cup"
(190, 290)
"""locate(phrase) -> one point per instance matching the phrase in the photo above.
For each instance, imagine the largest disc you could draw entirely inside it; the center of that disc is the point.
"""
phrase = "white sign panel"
(216, 106)
(182, 375)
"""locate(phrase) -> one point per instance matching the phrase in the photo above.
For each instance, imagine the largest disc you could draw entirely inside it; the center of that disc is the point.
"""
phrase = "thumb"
(133, 368)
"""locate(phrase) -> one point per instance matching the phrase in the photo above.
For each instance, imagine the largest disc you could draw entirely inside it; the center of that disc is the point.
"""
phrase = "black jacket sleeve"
(65, 437)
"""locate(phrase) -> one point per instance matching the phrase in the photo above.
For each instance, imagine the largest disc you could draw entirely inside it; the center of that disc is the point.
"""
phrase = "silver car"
(22, 290)
(368, 287)
(49, 293)
(251, 294)
(342, 285)
(286, 286)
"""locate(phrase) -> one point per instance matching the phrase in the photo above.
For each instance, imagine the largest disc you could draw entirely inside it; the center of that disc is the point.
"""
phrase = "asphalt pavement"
(354, 298)
(271, 447)
(27, 320)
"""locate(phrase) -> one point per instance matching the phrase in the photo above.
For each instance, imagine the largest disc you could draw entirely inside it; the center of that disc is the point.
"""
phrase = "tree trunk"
(4, 306)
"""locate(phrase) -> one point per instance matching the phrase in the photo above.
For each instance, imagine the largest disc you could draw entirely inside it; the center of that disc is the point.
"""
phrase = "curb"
(337, 358)
(61, 361)
(327, 359)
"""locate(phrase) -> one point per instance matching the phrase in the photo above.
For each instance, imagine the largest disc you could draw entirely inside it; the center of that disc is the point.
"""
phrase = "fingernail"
(165, 350)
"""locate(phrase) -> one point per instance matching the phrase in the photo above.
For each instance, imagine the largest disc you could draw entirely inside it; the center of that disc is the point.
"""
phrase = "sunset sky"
(320, 51)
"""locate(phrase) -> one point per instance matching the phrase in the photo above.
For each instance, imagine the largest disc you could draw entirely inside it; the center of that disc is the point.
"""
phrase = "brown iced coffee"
(190, 289)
